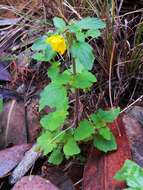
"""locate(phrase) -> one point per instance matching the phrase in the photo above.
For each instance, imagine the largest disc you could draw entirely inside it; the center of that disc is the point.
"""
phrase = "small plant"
(132, 174)
(59, 137)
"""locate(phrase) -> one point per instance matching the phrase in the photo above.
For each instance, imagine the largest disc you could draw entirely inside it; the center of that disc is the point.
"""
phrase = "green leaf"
(63, 78)
(1, 104)
(54, 96)
(101, 117)
(73, 28)
(83, 80)
(54, 70)
(53, 120)
(79, 68)
(64, 136)
(59, 23)
(57, 77)
(97, 121)
(39, 56)
(105, 133)
(132, 174)
(109, 116)
(71, 148)
(84, 131)
(82, 52)
(93, 33)
(90, 23)
(80, 36)
(46, 143)
(46, 55)
(103, 144)
(39, 44)
(49, 53)
(56, 157)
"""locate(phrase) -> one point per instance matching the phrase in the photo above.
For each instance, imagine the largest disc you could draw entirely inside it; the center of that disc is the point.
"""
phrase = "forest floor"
(119, 71)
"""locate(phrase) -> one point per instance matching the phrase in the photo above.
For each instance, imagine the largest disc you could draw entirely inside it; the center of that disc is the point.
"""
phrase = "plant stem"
(76, 109)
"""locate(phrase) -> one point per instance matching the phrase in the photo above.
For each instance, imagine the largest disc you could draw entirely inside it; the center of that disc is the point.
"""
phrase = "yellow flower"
(58, 43)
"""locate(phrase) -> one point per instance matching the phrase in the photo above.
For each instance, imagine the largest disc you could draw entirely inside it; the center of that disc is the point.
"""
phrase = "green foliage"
(56, 157)
(43, 51)
(83, 80)
(103, 144)
(39, 44)
(109, 116)
(1, 104)
(85, 130)
(82, 53)
(71, 148)
(59, 23)
(93, 33)
(58, 138)
(132, 174)
(89, 23)
(44, 55)
(57, 77)
(105, 133)
(46, 143)
(54, 120)
(54, 96)
(102, 117)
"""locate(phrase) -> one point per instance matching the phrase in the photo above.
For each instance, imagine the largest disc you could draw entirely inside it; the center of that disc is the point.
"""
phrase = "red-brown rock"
(101, 168)
(34, 183)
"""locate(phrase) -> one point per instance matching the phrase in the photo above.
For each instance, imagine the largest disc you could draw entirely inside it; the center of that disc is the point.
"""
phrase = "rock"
(25, 164)
(100, 168)
(135, 134)
(137, 113)
(10, 157)
(14, 123)
(57, 177)
(34, 183)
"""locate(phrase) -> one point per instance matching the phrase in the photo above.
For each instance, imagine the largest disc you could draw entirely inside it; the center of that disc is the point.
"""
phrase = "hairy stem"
(76, 109)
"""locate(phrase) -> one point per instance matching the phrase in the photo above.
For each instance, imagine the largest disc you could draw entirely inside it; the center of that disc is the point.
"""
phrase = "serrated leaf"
(1, 104)
(56, 157)
(131, 173)
(73, 28)
(82, 52)
(49, 53)
(59, 23)
(56, 76)
(53, 120)
(105, 133)
(101, 117)
(64, 136)
(90, 23)
(71, 148)
(54, 70)
(109, 116)
(84, 131)
(46, 143)
(103, 144)
(97, 121)
(54, 96)
(80, 36)
(45, 55)
(39, 44)
(39, 56)
(83, 80)
(93, 33)
(63, 78)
